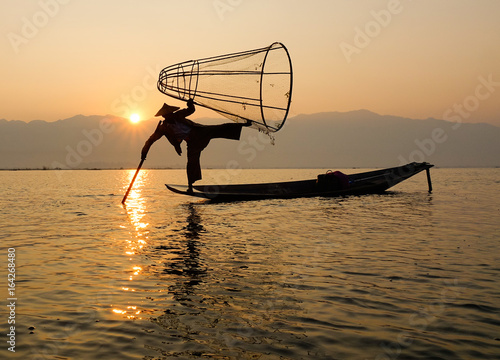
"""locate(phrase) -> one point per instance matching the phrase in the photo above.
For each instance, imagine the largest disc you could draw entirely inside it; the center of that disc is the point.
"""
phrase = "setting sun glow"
(135, 118)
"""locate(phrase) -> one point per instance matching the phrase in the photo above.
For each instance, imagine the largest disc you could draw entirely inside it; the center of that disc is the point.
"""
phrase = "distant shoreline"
(355, 139)
(209, 168)
(88, 169)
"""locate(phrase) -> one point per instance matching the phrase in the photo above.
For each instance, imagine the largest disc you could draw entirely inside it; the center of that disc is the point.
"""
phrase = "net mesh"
(252, 85)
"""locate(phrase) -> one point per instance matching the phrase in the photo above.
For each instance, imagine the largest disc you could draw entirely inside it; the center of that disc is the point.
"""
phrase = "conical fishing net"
(251, 85)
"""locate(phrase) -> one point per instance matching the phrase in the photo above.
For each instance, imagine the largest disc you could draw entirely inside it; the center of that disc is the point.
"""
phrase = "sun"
(135, 118)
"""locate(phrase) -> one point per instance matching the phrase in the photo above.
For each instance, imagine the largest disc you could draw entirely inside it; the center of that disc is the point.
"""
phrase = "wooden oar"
(132, 182)
(429, 183)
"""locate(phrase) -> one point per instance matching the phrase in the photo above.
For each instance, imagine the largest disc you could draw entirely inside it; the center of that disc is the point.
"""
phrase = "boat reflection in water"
(187, 264)
(187, 316)
(217, 301)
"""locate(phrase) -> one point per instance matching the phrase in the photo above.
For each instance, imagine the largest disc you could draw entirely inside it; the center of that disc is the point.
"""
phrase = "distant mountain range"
(324, 140)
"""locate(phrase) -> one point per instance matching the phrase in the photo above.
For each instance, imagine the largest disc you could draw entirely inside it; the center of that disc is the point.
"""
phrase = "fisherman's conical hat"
(166, 109)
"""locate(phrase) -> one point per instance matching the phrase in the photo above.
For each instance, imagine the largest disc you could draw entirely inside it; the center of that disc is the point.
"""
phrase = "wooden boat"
(329, 184)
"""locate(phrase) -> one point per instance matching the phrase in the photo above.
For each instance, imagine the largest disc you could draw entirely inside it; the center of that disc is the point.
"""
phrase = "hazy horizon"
(409, 59)
(306, 141)
(214, 117)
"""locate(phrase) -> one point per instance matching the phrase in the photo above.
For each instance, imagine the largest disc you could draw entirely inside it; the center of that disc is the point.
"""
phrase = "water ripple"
(406, 275)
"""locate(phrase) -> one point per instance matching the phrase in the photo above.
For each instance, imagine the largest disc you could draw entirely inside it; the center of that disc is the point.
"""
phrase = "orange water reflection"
(135, 208)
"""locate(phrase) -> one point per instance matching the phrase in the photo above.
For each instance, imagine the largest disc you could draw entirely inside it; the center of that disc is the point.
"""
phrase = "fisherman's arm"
(157, 135)
(187, 111)
(147, 145)
(152, 139)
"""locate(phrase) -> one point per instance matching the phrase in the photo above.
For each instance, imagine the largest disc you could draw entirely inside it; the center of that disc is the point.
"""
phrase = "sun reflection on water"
(136, 210)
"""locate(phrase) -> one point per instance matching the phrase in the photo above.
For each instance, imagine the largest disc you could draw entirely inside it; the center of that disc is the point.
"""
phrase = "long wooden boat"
(328, 184)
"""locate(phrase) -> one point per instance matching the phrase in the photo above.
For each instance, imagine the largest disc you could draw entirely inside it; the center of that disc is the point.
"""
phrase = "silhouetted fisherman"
(176, 128)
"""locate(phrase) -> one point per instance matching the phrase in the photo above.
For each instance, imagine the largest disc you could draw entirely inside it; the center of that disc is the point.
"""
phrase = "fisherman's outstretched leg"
(231, 131)
(199, 139)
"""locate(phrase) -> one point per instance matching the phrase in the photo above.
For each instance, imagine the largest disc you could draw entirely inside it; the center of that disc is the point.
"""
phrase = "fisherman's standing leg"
(195, 146)
(193, 168)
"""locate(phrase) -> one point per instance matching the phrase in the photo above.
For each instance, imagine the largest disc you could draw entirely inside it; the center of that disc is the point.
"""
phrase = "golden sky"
(417, 59)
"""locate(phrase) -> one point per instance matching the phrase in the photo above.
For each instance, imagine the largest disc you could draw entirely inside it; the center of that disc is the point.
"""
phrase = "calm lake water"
(404, 275)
